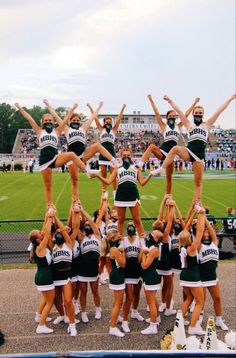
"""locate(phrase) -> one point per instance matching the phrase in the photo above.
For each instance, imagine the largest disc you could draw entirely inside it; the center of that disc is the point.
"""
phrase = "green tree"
(7, 133)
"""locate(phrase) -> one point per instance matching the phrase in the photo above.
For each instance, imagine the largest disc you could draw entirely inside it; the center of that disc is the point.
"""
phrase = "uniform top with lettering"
(208, 253)
(76, 139)
(90, 246)
(132, 250)
(48, 139)
(61, 257)
(170, 134)
(106, 137)
(127, 175)
(229, 224)
(111, 226)
(76, 249)
(198, 133)
(174, 242)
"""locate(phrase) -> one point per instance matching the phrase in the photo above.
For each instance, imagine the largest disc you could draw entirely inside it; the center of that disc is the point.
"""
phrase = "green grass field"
(22, 194)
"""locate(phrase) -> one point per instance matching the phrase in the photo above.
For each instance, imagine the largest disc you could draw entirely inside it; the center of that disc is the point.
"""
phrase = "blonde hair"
(33, 235)
(112, 235)
(184, 238)
(158, 225)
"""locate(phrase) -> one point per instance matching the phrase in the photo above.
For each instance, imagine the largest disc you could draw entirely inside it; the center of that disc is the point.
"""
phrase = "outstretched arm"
(91, 222)
(108, 181)
(143, 181)
(199, 233)
(98, 124)
(157, 114)
(187, 113)
(179, 215)
(30, 119)
(182, 117)
(118, 119)
(63, 231)
(53, 112)
(215, 116)
(93, 116)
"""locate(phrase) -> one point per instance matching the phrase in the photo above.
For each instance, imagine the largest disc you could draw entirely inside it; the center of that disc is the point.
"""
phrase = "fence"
(14, 239)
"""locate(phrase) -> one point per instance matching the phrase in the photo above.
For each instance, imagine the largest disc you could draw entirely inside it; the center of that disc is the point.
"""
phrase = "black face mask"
(126, 162)
(194, 230)
(108, 127)
(197, 119)
(114, 243)
(88, 230)
(114, 220)
(59, 239)
(74, 125)
(171, 122)
(177, 228)
(206, 242)
(131, 230)
(48, 127)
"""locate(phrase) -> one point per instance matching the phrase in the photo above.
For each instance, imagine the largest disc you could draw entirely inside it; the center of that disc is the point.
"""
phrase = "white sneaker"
(222, 325)
(84, 317)
(72, 329)
(186, 322)
(37, 318)
(152, 329)
(158, 321)
(114, 163)
(136, 315)
(76, 307)
(43, 329)
(98, 313)
(114, 331)
(197, 330)
(58, 320)
(162, 307)
(90, 172)
(157, 172)
(169, 312)
(66, 320)
(102, 281)
(125, 326)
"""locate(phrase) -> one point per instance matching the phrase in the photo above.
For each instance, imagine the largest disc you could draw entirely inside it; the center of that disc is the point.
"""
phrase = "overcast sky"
(119, 51)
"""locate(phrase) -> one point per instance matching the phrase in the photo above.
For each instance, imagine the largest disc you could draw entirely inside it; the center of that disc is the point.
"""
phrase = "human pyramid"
(70, 257)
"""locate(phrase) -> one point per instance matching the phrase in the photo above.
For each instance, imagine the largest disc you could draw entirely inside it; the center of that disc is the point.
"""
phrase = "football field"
(22, 194)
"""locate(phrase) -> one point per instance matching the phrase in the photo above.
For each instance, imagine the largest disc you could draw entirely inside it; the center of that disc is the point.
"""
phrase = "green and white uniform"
(208, 261)
(117, 275)
(107, 140)
(89, 259)
(171, 137)
(197, 142)
(175, 254)
(190, 274)
(76, 140)
(163, 263)
(75, 261)
(127, 194)
(61, 268)
(48, 149)
(132, 267)
(43, 277)
(229, 224)
(151, 279)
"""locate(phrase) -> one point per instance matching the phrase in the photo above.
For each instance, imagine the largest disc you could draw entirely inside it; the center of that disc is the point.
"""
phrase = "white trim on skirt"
(133, 281)
(117, 287)
(127, 204)
(152, 287)
(74, 279)
(194, 156)
(190, 283)
(87, 279)
(105, 162)
(61, 282)
(210, 283)
(164, 272)
(43, 288)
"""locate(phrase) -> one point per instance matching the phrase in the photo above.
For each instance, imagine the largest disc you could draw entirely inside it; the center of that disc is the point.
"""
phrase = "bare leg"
(63, 158)
(67, 296)
(182, 152)
(49, 299)
(83, 295)
(197, 292)
(96, 148)
(152, 149)
(104, 175)
(215, 294)
(128, 300)
(198, 170)
(151, 302)
(169, 172)
(137, 289)
(114, 183)
(96, 296)
(118, 301)
(58, 300)
(135, 211)
(47, 180)
(73, 170)
(121, 219)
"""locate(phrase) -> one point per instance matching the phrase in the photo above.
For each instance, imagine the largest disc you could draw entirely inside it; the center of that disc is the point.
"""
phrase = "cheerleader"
(107, 139)
(127, 195)
(43, 277)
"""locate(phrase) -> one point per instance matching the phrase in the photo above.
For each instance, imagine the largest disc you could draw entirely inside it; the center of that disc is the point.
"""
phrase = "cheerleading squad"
(71, 257)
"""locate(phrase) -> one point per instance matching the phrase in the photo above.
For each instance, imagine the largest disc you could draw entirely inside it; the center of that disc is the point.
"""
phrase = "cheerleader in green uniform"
(117, 279)
(43, 278)
(48, 141)
(197, 142)
(208, 261)
(127, 195)
(76, 140)
(107, 139)
(171, 134)
(190, 278)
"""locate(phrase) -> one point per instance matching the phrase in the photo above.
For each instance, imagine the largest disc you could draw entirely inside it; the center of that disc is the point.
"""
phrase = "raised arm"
(182, 117)
(107, 181)
(211, 232)
(118, 119)
(179, 215)
(157, 114)
(199, 233)
(63, 231)
(143, 181)
(171, 211)
(91, 222)
(162, 206)
(30, 119)
(189, 110)
(98, 124)
(215, 116)
(41, 249)
(190, 213)
(102, 211)
(93, 116)
(75, 225)
(53, 112)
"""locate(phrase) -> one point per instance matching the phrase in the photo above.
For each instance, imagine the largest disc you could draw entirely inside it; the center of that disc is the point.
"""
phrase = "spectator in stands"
(222, 165)
(211, 219)
(217, 164)
(12, 169)
(49, 157)
(195, 150)
(107, 135)
(76, 138)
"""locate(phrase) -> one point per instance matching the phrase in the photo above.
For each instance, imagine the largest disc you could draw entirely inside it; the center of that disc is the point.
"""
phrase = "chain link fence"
(14, 240)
